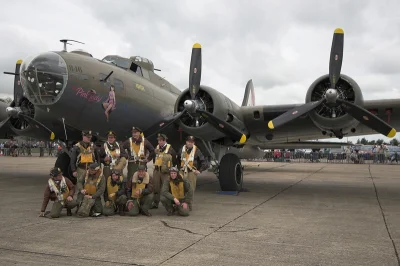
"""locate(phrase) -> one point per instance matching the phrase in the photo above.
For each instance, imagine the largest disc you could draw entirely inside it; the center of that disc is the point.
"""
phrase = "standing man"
(165, 158)
(90, 190)
(83, 154)
(140, 192)
(112, 156)
(60, 190)
(140, 151)
(176, 193)
(114, 196)
(192, 163)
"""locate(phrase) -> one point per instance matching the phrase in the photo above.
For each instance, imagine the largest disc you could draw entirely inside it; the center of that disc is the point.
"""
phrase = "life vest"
(112, 154)
(163, 159)
(112, 189)
(187, 159)
(86, 155)
(137, 151)
(136, 185)
(91, 184)
(61, 191)
(177, 191)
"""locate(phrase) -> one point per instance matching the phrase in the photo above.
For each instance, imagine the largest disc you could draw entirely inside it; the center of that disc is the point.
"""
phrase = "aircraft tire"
(62, 162)
(230, 173)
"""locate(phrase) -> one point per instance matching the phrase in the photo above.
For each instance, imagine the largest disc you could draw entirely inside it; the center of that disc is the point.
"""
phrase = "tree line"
(393, 142)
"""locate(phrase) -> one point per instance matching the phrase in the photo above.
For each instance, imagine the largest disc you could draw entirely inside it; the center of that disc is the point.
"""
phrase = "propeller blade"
(151, 131)
(5, 121)
(37, 124)
(368, 119)
(335, 63)
(195, 70)
(224, 127)
(293, 114)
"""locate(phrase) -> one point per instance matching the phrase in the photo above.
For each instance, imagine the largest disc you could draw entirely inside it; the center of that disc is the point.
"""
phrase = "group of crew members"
(173, 181)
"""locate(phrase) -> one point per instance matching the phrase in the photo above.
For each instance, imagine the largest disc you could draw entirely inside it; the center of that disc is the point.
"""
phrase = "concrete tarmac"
(293, 214)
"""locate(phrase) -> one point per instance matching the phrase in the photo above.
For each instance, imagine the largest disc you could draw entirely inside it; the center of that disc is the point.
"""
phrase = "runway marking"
(241, 215)
(383, 216)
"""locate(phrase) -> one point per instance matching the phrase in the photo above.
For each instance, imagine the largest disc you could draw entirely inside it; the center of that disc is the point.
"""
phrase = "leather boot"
(69, 212)
(121, 209)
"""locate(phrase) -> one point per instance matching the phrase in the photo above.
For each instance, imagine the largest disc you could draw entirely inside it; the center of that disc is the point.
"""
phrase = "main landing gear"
(228, 169)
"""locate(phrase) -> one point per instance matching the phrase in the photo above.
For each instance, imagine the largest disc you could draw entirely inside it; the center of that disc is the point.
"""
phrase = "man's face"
(115, 177)
(135, 134)
(87, 138)
(173, 175)
(141, 173)
(92, 171)
(161, 142)
(58, 178)
(111, 139)
(189, 143)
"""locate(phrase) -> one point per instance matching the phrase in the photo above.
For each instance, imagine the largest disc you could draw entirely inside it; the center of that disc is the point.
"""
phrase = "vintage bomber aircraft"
(74, 88)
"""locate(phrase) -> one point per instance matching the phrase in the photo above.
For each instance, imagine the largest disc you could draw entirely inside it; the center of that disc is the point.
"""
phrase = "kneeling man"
(114, 196)
(140, 192)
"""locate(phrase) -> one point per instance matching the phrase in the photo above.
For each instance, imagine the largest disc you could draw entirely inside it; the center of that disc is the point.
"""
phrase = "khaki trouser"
(120, 165)
(143, 204)
(171, 207)
(80, 175)
(57, 207)
(158, 180)
(88, 206)
(192, 178)
(110, 207)
(132, 168)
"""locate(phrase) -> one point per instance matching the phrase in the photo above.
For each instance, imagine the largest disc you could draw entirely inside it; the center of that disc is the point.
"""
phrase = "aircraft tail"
(249, 97)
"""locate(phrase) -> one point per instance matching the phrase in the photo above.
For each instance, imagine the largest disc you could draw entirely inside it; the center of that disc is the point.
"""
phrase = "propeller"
(332, 98)
(194, 108)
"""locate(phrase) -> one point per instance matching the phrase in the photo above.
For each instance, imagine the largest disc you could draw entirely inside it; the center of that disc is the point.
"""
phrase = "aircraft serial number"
(139, 87)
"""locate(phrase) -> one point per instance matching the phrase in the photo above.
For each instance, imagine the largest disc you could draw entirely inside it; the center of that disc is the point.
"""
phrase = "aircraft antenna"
(65, 41)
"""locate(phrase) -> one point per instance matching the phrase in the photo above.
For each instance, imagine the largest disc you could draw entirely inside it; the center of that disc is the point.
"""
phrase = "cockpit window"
(118, 61)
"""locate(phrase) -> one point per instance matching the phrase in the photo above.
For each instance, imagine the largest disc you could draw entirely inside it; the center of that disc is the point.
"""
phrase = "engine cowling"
(214, 102)
(334, 119)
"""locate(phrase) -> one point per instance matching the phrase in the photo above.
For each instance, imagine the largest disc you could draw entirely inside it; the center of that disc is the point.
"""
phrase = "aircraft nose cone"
(331, 95)
(44, 78)
(189, 105)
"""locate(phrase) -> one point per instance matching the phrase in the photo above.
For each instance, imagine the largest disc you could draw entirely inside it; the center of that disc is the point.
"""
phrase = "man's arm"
(150, 148)
(149, 187)
(101, 188)
(188, 191)
(122, 188)
(165, 191)
(173, 154)
(99, 154)
(74, 156)
(123, 153)
(71, 187)
(46, 198)
(201, 161)
(129, 187)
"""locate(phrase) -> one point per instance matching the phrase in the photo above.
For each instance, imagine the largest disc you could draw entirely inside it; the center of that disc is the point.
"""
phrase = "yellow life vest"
(91, 185)
(177, 191)
(163, 159)
(66, 193)
(137, 150)
(136, 185)
(85, 155)
(112, 189)
(187, 158)
(54, 186)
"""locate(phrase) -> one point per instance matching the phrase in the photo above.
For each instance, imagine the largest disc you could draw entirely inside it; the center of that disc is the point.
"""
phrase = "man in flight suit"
(83, 154)
(140, 151)
(192, 163)
(176, 193)
(112, 155)
(114, 195)
(165, 158)
(60, 190)
(90, 188)
(140, 192)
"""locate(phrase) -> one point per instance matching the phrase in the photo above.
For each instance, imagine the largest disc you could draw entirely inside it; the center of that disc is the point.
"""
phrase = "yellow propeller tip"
(243, 139)
(270, 125)
(392, 133)
(19, 62)
(339, 31)
(52, 136)
(197, 45)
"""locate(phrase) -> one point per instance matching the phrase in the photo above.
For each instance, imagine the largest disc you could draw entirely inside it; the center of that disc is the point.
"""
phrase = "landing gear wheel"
(62, 162)
(230, 173)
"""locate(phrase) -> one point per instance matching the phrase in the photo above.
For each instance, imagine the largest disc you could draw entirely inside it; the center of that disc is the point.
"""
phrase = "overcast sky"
(282, 45)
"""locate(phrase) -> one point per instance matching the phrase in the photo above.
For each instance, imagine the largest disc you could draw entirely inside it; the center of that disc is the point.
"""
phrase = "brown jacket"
(148, 189)
(50, 195)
